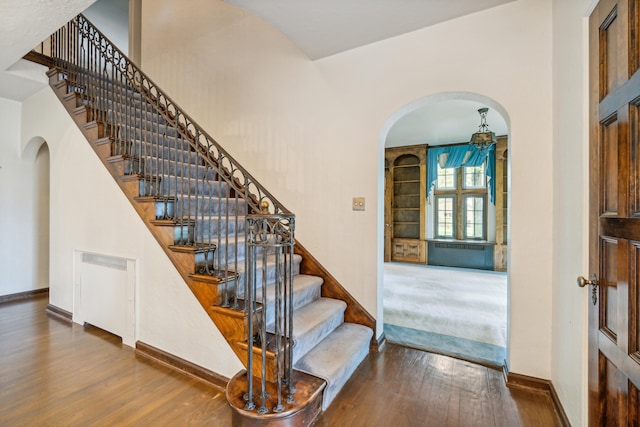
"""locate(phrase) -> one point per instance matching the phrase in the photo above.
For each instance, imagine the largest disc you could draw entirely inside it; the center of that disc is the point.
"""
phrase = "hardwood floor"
(405, 387)
(56, 374)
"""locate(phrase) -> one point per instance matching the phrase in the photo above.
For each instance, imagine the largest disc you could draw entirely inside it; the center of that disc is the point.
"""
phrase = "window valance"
(455, 156)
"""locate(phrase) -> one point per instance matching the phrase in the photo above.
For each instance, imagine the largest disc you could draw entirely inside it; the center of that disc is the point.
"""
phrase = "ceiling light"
(484, 138)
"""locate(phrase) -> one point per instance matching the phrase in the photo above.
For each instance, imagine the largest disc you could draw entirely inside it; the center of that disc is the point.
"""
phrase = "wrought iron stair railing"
(234, 227)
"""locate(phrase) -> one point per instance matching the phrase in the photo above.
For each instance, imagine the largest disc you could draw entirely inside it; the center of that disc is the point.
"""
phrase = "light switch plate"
(358, 203)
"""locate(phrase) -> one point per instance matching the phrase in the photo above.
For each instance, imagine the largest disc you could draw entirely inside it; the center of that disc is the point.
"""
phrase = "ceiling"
(23, 25)
(327, 27)
(350, 23)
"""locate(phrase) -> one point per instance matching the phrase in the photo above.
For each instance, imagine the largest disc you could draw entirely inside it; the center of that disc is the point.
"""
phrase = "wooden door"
(614, 317)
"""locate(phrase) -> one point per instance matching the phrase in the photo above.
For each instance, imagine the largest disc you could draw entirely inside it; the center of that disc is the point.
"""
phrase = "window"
(474, 217)
(446, 178)
(445, 223)
(460, 203)
(474, 177)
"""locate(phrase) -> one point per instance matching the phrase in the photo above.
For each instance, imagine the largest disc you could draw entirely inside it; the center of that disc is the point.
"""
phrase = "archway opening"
(36, 158)
(446, 229)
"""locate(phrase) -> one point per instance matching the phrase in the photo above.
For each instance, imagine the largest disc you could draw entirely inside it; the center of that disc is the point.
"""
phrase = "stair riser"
(144, 130)
(135, 114)
(271, 273)
(202, 233)
(204, 261)
(210, 206)
(181, 186)
(167, 154)
(323, 361)
(140, 141)
(123, 106)
(209, 230)
(305, 343)
(165, 209)
(300, 299)
(192, 206)
(227, 253)
(153, 166)
(94, 89)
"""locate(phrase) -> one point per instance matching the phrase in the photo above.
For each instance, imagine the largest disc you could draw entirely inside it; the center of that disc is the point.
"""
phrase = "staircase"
(293, 326)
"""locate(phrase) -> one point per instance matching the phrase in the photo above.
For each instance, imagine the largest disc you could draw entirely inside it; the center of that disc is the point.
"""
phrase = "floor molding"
(23, 295)
(524, 381)
(59, 313)
(378, 344)
(197, 371)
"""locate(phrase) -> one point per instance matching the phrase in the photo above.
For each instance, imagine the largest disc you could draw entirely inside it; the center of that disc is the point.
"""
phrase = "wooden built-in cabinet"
(405, 197)
(502, 213)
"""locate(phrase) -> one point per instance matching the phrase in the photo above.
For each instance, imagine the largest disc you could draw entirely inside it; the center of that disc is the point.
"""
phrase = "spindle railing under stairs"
(210, 199)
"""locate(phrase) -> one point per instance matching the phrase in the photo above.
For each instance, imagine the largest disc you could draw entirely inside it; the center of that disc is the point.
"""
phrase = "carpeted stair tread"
(306, 289)
(313, 322)
(336, 357)
(271, 270)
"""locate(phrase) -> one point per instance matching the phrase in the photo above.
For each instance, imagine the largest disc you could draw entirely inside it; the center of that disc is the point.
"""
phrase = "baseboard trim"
(197, 371)
(23, 295)
(59, 313)
(558, 406)
(525, 381)
(378, 344)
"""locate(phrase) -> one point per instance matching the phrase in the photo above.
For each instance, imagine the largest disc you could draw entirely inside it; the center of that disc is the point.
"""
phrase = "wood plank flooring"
(56, 374)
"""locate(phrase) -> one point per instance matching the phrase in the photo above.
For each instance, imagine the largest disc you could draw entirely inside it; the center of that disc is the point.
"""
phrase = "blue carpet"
(460, 348)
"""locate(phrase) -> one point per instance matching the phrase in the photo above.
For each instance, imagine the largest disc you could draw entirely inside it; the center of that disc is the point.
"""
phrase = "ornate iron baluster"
(270, 238)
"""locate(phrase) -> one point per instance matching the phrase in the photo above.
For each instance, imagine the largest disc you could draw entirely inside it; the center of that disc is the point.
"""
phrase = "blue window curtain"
(461, 155)
(433, 154)
(456, 157)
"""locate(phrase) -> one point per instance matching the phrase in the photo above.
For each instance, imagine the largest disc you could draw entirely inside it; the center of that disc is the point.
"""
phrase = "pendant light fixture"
(484, 138)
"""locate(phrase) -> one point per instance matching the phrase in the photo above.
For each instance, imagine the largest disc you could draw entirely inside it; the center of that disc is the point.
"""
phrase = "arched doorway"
(448, 298)
(36, 158)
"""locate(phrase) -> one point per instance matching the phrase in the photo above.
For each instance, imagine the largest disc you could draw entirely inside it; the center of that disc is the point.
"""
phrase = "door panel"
(612, 53)
(615, 384)
(609, 286)
(634, 280)
(634, 153)
(609, 158)
(614, 321)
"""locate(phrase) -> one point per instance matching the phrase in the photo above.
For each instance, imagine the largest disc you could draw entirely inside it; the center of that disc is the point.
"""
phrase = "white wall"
(23, 192)
(570, 200)
(310, 130)
(89, 213)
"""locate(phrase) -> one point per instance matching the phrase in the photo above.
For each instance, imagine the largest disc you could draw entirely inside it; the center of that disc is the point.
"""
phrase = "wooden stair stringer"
(233, 324)
(331, 288)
